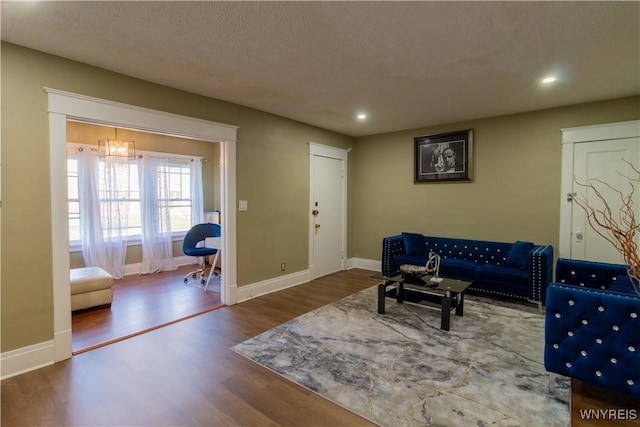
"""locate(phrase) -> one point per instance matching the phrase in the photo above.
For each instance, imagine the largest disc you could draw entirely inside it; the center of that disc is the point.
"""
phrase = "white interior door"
(328, 210)
(602, 160)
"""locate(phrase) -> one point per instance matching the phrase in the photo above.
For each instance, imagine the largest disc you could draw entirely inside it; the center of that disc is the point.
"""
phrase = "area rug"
(401, 369)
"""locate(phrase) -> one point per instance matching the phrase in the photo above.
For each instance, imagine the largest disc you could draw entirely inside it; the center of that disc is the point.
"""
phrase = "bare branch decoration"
(618, 228)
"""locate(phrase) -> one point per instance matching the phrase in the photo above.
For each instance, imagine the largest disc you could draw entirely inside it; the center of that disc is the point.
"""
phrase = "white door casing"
(588, 153)
(328, 213)
(64, 106)
(601, 160)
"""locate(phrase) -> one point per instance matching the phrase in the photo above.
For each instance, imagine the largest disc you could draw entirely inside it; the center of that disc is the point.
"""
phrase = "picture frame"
(446, 157)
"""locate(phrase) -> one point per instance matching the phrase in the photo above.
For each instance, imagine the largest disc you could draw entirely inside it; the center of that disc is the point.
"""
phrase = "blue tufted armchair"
(592, 325)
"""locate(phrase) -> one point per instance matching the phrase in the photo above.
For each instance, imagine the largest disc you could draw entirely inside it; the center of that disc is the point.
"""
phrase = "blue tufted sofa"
(519, 270)
(592, 325)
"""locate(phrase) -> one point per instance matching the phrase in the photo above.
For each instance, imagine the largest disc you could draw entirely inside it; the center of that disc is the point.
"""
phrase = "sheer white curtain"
(102, 225)
(197, 197)
(157, 252)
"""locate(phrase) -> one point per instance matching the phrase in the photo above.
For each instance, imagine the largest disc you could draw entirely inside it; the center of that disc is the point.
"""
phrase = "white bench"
(90, 287)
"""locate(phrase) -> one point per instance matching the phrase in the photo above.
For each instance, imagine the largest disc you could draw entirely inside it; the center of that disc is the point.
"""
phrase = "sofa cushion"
(504, 273)
(622, 284)
(519, 255)
(457, 268)
(414, 244)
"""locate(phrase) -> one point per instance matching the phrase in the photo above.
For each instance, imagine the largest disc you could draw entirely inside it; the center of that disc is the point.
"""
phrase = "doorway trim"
(320, 150)
(65, 106)
(570, 137)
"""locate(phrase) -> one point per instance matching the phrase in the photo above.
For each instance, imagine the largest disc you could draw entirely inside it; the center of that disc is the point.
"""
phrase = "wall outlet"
(282, 267)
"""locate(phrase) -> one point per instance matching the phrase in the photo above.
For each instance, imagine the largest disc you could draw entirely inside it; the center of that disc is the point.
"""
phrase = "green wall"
(272, 174)
(515, 193)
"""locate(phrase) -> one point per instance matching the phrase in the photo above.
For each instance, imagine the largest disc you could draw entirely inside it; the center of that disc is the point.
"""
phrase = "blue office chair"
(193, 245)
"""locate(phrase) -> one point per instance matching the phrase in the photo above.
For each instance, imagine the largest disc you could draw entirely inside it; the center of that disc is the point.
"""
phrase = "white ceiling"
(407, 64)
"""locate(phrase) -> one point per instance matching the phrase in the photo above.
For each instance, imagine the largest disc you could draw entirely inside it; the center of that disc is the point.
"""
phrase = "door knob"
(315, 212)
(317, 226)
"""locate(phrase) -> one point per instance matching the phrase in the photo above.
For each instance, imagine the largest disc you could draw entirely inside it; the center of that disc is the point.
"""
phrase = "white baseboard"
(264, 287)
(62, 344)
(136, 268)
(36, 356)
(365, 264)
(25, 359)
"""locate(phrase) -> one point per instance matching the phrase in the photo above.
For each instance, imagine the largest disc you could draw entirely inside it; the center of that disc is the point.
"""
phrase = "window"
(175, 172)
(126, 199)
(179, 201)
(74, 201)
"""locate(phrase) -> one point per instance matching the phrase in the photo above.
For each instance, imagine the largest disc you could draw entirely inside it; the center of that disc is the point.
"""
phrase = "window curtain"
(197, 193)
(157, 247)
(102, 225)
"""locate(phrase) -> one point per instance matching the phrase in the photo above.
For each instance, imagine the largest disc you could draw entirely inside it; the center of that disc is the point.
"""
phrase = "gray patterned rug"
(401, 369)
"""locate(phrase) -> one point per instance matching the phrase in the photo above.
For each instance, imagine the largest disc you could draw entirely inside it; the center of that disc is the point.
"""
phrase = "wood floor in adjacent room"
(185, 374)
(143, 302)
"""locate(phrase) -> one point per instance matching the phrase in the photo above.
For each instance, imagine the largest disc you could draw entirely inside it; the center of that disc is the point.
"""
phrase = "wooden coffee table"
(446, 295)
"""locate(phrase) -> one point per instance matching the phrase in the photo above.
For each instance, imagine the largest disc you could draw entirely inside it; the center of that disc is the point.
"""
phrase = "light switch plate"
(243, 205)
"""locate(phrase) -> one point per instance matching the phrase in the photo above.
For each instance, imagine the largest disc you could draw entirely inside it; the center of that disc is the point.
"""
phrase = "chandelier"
(116, 148)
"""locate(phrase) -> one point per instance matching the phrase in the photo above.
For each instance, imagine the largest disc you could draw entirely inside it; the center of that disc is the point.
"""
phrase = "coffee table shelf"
(447, 295)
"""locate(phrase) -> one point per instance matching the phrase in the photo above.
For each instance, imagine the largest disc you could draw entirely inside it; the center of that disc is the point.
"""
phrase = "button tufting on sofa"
(594, 339)
(485, 264)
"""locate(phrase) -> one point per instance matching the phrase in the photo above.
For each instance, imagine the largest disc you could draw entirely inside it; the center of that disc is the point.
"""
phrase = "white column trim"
(65, 106)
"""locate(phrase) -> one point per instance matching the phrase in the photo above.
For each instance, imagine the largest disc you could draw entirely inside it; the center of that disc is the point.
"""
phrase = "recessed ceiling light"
(361, 116)
(549, 79)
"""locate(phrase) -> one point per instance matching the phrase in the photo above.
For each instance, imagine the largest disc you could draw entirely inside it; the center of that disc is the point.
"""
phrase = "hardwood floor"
(586, 398)
(185, 374)
(141, 303)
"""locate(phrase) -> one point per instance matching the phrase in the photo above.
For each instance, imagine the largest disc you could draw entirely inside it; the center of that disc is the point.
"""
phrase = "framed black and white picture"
(445, 157)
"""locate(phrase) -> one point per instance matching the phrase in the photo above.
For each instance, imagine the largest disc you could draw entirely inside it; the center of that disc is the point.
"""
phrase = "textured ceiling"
(407, 64)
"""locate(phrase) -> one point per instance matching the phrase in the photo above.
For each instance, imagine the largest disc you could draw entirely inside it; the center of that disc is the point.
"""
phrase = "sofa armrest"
(541, 271)
(392, 246)
(594, 336)
(588, 274)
